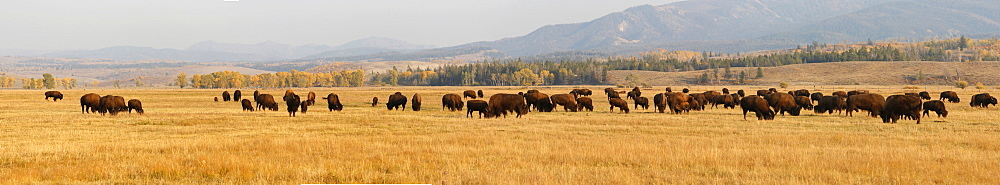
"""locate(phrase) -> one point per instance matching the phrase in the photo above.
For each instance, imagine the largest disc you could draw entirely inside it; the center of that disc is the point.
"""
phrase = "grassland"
(186, 138)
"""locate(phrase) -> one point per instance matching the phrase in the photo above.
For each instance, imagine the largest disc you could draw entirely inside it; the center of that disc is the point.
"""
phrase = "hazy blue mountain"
(144, 53)
(381, 43)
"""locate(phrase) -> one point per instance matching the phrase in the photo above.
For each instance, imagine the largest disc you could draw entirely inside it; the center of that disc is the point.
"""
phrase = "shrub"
(911, 87)
(783, 85)
(961, 84)
(979, 85)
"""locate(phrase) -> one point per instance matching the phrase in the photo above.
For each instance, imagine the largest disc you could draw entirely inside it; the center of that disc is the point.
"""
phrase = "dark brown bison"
(816, 96)
(611, 93)
(479, 106)
(685, 90)
(304, 106)
(584, 103)
(711, 93)
(310, 99)
(736, 99)
(924, 95)
(802, 92)
(237, 95)
(741, 93)
(90, 103)
(112, 105)
(374, 101)
(901, 106)
(678, 102)
(255, 95)
(292, 101)
(782, 103)
(725, 90)
(701, 101)
(828, 104)
(452, 102)
(415, 102)
(641, 102)
(568, 101)
(873, 103)
(842, 94)
(225, 96)
(480, 93)
(951, 96)
(581, 92)
(694, 104)
(983, 100)
(396, 101)
(763, 93)
(804, 102)
(620, 103)
(757, 105)
(660, 102)
(55, 95)
(773, 90)
(136, 105)
(501, 104)
(725, 100)
(216, 98)
(247, 105)
(469, 94)
(636, 92)
(912, 94)
(333, 102)
(669, 90)
(266, 101)
(856, 92)
(937, 106)
(539, 101)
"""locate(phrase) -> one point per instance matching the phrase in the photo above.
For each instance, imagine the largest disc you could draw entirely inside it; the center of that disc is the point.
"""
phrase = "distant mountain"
(381, 43)
(145, 53)
(264, 50)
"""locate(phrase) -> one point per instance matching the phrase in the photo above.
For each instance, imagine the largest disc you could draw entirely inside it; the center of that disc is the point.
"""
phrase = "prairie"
(186, 138)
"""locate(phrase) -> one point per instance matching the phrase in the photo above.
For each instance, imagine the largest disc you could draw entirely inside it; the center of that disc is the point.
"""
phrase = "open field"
(186, 138)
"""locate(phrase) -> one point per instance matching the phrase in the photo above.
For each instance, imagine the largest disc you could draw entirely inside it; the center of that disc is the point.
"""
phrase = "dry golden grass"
(185, 138)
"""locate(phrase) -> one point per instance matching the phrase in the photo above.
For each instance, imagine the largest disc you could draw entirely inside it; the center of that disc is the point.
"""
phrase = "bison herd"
(108, 104)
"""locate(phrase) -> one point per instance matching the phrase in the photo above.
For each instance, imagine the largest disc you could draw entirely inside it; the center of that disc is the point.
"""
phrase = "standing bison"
(726, 101)
(267, 102)
(741, 93)
(842, 94)
(452, 102)
(112, 105)
(828, 104)
(901, 106)
(584, 103)
(293, 102)
(479, 106)
(568, 101)
(396, 101)
(678, 102)
(782, 103)
(247, 105)
(763, 93)
(757, 105)
(873, 103)
(801, 92)
(374, 101)
(237, 95)
(416, 101)
(983, 100)
(333, 102)
(310, 99)
(90, 103)
(641, 102)
(937, 106)
(660, 102)
(924, 95)
(225, 96)
(611, 93)
(469, 94)
(804, 102)
(620, 103)
(480, 93)
(136, 105)
(951, 96)
(816, 96)
(55, 95)
(856, 92)
(581, 92)
(539, 101)
(501, 104)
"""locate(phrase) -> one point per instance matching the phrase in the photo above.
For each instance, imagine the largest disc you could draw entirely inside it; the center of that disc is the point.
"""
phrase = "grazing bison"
(247, 105)
(711, 93)
(660, 102)
(924, 95)
(802, 92)
(937, 106)
(333, 102)
(374, 101)
(415, 102)
(669, 90)
(701, 102)
(581, 92)
(469, 94)
(856, 92)
(782, 103)
(685, 90)
(266, 101)
(611, 93)
(452, 102)
(90, 103)
(634, 93)
(237, 95)
(136, 105)
(951, 96)
(216, 98)
(842, 94)
(310, 99)
(773, 90)
(225, 96)
(293, 102)
(620, 103)
(55, 95)
(584, 103)
(873, 103)
(501, 104)
(477, 105)
(757, 105)
(829, 104)
(816, 96)
(112, 105)
(678, 102)
(983, 100)
(480, 93)
(725, 100)
(741, 93)
(901, 106)
(304, 106)
(725, 90)
(568, 101)
(763, 93)
(804, 102)
(539, 101)
(694, 104)
(641, 102)
(395, 101)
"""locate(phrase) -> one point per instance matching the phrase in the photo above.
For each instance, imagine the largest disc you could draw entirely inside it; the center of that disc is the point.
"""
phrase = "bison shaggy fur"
(620, 103)
(55, 95)
(452, 102)
(757, 105)
(901, 106)
(937, 106)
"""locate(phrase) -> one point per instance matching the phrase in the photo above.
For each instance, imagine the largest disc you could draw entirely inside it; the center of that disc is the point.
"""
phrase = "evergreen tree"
(760, 73)
(963, 43)
(743, 77)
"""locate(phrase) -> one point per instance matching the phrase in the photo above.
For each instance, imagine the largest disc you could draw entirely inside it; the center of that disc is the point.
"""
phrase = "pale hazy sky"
(75, 24)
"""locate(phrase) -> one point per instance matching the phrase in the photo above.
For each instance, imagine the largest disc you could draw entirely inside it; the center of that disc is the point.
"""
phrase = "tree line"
(47, 82)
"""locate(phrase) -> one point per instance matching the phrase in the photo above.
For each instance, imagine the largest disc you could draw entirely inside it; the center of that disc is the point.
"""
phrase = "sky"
(74, 24)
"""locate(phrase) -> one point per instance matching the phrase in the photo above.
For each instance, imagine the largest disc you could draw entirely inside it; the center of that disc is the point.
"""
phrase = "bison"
(112, 105)
(829, 104)
(90, 103)
(415, 102)
(452, 102)
(951, 96)
(247, 105)
(539, 101)
(701, 101)
(611, 93)
(805, 102)
(333, 102)
(267, 101)
(310, 99)
(374, 101)
(641, 102)
(568, 101)
(292, 101)
(873, 103)
(584, 103)
(304, 106)
(136, 105)
(55, 95)
(685, 90)
(757, 105)
(660, 102)
(762, 93)
(842, 94)
(216, 99)
(620, 103)
(924, 95)
(725, 90)
(741, 93)
(782, 103)
(669, 90)
(477, 105)
(237, 95)
(816, 96)
(469, 94)
(396, 101)
(937, 106)
(801, 92)
(501, 104)
(900, 106)
(983, 100)
(480, 93)
(581, 92)
(225, 96)
(678, 102)
(856, 92)
(725, 100)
